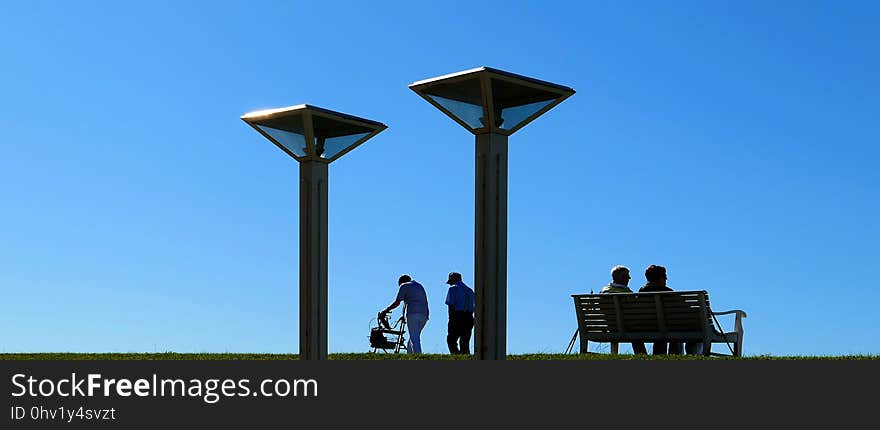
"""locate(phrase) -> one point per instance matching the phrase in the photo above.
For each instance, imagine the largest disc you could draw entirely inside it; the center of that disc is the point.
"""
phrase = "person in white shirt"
(620, 284)
(412, 294)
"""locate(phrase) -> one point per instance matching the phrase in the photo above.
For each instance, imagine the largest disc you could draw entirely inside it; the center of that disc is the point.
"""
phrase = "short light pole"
(315, 137)
(492, 104)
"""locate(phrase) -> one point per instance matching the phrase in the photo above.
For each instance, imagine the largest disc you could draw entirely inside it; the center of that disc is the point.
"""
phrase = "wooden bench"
(678, 316)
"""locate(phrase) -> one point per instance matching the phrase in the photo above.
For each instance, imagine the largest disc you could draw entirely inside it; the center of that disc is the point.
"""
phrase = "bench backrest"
(677, 315)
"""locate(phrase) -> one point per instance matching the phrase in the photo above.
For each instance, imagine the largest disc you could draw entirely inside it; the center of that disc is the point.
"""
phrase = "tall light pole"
(315, 137)
(492, 104)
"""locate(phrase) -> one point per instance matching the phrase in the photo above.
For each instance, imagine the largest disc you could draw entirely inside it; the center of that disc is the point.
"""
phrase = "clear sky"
(735, 142)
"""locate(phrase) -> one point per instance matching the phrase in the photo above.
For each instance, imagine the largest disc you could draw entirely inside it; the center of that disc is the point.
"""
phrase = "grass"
(374, 356)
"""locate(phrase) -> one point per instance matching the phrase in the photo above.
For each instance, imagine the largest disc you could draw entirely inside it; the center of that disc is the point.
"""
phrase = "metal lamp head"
(487, 100)
(310, 133)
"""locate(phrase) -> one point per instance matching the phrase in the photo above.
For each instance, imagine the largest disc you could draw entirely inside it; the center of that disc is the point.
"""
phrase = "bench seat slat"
(626, 308)
(645, 336)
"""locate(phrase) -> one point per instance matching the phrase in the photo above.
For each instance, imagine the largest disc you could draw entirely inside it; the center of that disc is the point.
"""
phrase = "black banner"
(461, 394)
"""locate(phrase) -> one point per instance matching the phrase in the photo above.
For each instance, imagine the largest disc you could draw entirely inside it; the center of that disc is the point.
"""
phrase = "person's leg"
(676, 348)
(415, 324)
(694, 348)
(411, 328)
(639, 348)
(659, 348)
(464, 341)
(452, 335)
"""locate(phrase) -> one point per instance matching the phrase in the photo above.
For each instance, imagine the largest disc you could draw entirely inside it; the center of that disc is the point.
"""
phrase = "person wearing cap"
(460, 300)
(412, 294)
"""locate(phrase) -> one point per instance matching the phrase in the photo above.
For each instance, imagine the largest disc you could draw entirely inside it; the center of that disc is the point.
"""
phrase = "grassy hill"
(372, 356)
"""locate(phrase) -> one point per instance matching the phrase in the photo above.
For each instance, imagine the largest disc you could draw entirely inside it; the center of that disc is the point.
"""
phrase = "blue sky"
(735, 143)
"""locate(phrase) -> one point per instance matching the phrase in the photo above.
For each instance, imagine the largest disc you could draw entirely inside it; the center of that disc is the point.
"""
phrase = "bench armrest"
(737, 325)
(738, 313)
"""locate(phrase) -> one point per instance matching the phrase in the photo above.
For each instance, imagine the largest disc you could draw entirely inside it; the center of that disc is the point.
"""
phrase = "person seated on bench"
(619, 284)
(656, 281)
(619, 281)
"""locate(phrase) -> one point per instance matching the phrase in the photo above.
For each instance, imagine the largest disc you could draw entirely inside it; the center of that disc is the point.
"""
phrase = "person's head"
(453, 278)
(403, 279)
(656, 274)
(620, 275)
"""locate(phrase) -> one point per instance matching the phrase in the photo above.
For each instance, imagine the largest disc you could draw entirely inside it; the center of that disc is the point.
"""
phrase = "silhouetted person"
(460, 300)
(620, 284)
(413, 294)
(656, 277)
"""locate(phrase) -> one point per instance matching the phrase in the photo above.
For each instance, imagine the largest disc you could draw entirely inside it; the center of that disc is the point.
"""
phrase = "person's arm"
(392, 306)
(400, 296)
(449, 302)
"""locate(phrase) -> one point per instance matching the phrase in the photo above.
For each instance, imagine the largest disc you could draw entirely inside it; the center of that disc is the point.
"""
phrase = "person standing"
(412, 294)
(460, 301)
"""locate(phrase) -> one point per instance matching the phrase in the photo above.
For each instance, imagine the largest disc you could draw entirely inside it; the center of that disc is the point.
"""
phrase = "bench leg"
(615, 348)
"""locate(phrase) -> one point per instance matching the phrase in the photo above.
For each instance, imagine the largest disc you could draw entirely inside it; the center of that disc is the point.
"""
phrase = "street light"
(315, 137)
(492, 104)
